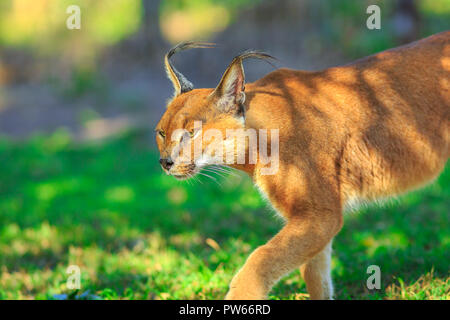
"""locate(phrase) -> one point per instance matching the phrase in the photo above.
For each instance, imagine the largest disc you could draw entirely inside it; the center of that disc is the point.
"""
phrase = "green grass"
(139, 234)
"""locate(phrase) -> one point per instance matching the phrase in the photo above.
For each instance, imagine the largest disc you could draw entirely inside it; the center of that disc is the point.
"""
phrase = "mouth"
(184, 173)
(181, 176)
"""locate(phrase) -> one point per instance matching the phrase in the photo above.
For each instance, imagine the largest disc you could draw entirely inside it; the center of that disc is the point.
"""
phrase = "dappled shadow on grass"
(406, 240)
(406, 237)
(138, 234)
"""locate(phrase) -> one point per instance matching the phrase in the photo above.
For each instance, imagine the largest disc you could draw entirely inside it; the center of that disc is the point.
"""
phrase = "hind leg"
(317, 275)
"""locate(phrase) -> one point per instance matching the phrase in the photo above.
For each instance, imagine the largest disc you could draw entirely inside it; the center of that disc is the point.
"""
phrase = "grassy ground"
(138, 234)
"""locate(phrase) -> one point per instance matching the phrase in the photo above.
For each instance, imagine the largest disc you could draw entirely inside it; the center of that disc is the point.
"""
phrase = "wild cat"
(374, 128)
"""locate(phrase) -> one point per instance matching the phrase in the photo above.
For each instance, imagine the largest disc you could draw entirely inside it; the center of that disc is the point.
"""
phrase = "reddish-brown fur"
(374, 128)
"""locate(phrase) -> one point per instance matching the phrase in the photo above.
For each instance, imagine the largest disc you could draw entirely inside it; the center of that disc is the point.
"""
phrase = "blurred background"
(79, 178)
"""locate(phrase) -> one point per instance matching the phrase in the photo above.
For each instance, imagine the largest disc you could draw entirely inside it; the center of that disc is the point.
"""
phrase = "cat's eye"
(162, 133)
(191, 133)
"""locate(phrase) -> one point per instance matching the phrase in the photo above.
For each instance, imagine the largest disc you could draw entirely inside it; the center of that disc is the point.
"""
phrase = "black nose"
(167, 163)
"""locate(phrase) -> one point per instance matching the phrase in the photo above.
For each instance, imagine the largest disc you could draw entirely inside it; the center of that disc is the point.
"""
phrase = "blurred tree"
(151, 30)
(406, 21)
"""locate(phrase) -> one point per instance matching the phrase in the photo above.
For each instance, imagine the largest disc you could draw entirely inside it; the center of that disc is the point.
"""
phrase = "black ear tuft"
(256, 54)
(179, 81)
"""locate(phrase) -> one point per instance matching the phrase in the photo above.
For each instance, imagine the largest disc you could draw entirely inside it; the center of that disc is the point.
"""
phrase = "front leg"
(317, 275)
(299, 240)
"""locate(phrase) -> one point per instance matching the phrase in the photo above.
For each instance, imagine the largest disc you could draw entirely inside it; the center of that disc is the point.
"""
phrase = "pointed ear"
(229, 93)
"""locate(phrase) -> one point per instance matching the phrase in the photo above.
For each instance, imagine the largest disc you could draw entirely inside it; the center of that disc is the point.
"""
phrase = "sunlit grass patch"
(120, 194)
(427, 287)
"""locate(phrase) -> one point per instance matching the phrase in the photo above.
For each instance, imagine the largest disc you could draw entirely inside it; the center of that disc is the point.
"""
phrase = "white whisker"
(214, 171)
(212, 178)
